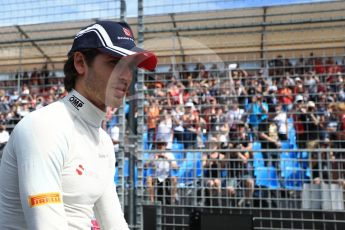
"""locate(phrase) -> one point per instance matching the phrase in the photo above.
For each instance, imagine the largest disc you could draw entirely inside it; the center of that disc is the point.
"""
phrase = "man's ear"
(79, 63)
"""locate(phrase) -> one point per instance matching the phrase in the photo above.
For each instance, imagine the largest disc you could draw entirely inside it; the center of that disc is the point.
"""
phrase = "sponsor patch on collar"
(76, 102)
(44, 198)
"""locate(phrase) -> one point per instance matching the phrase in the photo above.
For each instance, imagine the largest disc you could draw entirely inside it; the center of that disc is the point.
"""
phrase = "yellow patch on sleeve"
(44, 198)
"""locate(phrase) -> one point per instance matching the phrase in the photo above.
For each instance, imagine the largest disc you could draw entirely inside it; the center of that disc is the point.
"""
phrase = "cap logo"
(127, 32)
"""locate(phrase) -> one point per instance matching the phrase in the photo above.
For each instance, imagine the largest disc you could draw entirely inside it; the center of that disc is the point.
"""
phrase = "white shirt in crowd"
(164, 132)
(234, 116)
(163, 166)
(4, 136)
(281, 121)
(115, 136)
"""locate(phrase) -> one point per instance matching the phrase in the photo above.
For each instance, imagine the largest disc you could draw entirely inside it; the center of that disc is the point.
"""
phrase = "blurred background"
(241, 125)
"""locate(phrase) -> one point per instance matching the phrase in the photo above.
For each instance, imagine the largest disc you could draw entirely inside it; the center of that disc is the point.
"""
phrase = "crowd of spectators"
(220, 126)
(236, 118)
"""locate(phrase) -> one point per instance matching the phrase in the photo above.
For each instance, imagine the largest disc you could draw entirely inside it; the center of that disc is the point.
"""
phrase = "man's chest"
(88, 171)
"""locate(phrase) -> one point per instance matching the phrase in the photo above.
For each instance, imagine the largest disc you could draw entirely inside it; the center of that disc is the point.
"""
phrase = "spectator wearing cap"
(271, 95)
(329, 122)
(269, 138)
(311, 120)
(163, 163)
(204, 94)
(234, 117)
(299, 86)
(164, 129)
(285, 96)
(190, 125)
(297, 112)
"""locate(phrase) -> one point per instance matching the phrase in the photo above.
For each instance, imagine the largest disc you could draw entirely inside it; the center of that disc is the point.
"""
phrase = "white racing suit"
(57, 170)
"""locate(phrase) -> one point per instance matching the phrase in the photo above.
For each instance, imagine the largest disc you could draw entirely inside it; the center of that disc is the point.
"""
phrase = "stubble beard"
(94, 90)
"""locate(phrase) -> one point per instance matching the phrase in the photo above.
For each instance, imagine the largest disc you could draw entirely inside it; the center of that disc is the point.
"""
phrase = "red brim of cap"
(148, 60)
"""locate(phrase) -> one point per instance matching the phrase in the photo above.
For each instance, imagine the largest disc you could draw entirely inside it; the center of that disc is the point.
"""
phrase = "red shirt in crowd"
(285, 96)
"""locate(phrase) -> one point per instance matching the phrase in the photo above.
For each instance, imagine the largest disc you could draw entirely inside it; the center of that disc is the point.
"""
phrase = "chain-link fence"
(243, 118)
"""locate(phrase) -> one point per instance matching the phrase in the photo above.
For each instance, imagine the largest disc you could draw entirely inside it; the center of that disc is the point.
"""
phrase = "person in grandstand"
(213, 164)
(164, 178)
(190, 125)
(256, 111)
(57, 169)
(238, 165)
(268, 133)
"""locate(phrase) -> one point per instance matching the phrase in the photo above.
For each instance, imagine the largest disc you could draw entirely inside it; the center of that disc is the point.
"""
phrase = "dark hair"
(69, 70)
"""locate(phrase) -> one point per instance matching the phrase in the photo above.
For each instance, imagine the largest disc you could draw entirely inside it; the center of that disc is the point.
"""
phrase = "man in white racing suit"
(58, 166)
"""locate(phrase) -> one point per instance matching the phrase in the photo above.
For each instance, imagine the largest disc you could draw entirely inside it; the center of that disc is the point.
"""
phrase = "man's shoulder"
(52, 115)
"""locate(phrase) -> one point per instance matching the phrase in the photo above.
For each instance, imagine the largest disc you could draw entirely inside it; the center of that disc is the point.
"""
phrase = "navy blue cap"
(115, 39)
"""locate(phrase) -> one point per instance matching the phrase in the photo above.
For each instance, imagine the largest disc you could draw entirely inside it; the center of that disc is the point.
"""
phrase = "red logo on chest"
(80, 170)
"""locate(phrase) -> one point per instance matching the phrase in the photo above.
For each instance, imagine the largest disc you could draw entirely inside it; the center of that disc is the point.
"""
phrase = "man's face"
(108, 80)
